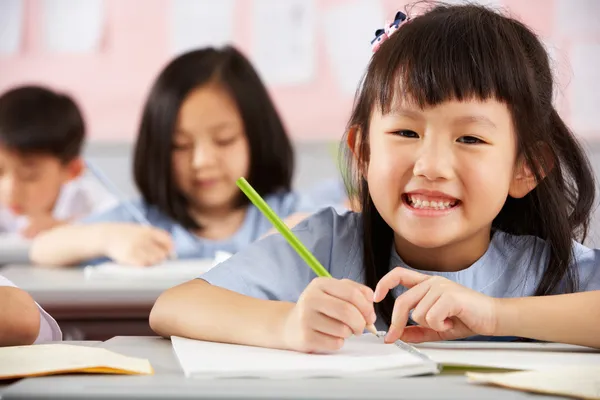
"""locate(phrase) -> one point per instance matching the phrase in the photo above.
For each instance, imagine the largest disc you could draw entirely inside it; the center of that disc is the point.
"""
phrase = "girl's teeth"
(436, 205)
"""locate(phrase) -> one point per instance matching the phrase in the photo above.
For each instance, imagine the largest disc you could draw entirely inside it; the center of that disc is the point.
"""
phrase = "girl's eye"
(226, 141)
(470, 140)
(407, 134)
(182, 146)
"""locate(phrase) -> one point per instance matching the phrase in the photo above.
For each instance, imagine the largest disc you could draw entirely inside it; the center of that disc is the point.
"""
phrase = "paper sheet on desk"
(174, 269)
(505, 356)
(580, 382)
(51, 359)
(363, 356)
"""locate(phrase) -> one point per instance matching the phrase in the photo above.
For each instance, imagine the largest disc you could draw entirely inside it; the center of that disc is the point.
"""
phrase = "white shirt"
(49, 329)
(77, 199)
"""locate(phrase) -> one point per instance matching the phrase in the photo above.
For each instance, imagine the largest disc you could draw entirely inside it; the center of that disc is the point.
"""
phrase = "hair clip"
(381, 35)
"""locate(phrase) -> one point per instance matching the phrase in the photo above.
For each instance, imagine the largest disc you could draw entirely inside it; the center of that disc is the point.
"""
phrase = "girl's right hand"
(138, 245)
(328, 312)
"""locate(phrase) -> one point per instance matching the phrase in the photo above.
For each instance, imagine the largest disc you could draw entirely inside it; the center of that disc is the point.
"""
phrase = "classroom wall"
(313, 52)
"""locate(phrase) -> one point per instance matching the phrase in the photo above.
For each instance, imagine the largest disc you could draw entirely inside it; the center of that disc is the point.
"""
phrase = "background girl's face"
(210, 149)
(439, 176)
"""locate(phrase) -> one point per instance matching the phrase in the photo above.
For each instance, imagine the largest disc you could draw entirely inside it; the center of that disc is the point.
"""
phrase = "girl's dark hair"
(271, 153)
(470, 52)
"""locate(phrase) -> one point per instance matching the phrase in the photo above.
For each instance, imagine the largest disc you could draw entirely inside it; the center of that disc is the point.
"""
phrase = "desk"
(170, 383)
(90, 309)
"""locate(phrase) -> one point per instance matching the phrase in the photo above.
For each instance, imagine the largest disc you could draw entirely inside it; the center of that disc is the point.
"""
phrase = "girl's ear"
(357, 149)
(524, 180)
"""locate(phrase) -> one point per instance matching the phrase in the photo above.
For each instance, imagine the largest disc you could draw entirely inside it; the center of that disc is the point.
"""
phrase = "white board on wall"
(11, 26)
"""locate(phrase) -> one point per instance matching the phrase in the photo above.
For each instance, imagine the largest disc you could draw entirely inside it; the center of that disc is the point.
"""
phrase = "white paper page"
(575, 382)
(349, 28)
(45, 358)
(73, 26)
(199, 23)
(11, 26)
(490, 345)
(171, 270)
(284, 50)
(510, 359)
(361, 354)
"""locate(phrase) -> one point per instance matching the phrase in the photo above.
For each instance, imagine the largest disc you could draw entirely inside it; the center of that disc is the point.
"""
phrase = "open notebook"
(182, 270)
(51, 359)
(364, 355)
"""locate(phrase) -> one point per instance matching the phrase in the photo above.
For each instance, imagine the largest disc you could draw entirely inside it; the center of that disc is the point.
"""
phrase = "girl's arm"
(199, 310)
(568, 318)
(19, 317)
(124, 243)
(70, 244)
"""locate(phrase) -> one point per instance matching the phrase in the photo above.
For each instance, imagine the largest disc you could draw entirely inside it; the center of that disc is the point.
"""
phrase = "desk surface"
(69, 287)
(170, 383)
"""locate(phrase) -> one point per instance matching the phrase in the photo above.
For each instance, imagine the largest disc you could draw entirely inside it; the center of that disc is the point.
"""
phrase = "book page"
(575, 381)
(360, 355)
(47, 359)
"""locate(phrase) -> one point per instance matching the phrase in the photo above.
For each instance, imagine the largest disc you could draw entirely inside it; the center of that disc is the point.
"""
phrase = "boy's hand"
(327, 312)
(40, 224)
(443, 309)
(137, 245)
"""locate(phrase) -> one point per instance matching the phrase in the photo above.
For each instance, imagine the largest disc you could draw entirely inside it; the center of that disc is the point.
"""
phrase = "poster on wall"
(11, 26)
(349, 28)
(283, 35)
(72, 26)
(199, 23)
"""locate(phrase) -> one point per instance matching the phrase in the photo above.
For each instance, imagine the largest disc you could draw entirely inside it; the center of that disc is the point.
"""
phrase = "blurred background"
(311, 54)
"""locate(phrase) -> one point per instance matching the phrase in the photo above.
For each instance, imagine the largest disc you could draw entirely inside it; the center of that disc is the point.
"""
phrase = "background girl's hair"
(271, 153)
(470, 52)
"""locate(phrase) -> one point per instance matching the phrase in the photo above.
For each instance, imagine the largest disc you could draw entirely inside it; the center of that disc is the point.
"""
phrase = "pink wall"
(112, 83)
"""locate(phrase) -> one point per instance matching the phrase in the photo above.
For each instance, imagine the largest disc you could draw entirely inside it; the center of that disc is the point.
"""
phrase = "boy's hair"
(37, 120)
(271, 153)
(470, 52)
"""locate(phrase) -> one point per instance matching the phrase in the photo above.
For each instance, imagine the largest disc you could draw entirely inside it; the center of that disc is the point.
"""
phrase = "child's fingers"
(344, 312)
(421, 312)
(329, 326)
(404, 303)
(419, 334)
(438, 315)
(163, 239)
(397, 276)
(352, 293)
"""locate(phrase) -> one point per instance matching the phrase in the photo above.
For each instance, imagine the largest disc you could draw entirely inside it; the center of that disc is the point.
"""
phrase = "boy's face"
(31, 183)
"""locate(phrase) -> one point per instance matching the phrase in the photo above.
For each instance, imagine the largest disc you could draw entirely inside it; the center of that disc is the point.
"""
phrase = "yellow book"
(581, 382)
(51, 359)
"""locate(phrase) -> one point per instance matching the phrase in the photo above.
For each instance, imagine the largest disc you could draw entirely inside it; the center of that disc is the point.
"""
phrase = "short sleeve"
(49, 329)
(587, 262)
(271, 269)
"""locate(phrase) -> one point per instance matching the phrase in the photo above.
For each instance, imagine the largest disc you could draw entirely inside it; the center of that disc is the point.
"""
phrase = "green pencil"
(292, 239)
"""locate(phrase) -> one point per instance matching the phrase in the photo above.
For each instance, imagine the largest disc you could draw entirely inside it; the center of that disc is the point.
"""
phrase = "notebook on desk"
(362, 356)
(183, 270)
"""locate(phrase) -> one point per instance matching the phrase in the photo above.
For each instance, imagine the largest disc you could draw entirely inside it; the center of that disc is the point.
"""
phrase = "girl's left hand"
(443, 309)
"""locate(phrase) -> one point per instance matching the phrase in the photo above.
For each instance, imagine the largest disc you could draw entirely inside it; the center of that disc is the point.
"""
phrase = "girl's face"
(439, 176)
(210, 149)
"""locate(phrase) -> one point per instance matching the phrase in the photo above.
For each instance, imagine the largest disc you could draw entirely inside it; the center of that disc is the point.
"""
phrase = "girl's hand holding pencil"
(328, 312)
(138, 245)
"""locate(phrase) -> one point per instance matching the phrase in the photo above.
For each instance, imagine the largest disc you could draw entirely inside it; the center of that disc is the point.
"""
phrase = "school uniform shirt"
(270, 269)
(49, 329)
(188, 245)
(77, 198)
